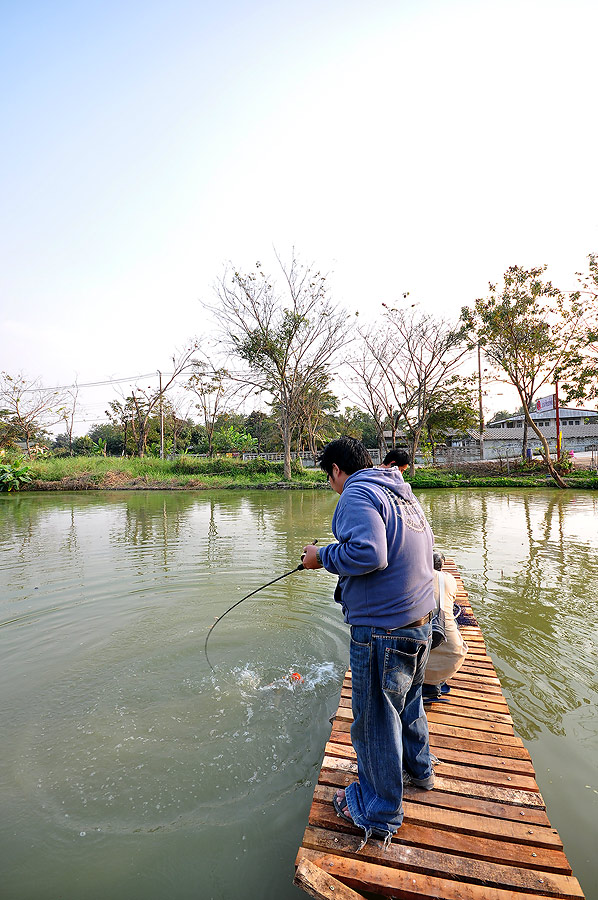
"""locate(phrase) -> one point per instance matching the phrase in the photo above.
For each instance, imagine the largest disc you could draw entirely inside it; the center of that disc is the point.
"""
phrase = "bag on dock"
(438, 620)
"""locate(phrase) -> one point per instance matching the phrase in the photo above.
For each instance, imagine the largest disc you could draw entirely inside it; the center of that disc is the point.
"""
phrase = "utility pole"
(480, 400)
(161, 419)
(558, 421)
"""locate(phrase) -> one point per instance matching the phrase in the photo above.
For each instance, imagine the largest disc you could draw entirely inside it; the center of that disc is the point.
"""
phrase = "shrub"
(13, 475)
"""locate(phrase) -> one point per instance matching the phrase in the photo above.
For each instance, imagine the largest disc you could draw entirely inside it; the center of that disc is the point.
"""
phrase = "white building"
(579, 431)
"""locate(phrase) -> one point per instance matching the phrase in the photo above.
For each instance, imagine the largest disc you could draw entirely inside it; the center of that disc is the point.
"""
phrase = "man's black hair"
(397, 458)
(348, 453)
(438, 560)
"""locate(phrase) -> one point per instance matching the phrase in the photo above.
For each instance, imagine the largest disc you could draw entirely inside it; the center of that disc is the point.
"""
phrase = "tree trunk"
(416, 438)
(546, 452)
(286, 441)
(524, 443)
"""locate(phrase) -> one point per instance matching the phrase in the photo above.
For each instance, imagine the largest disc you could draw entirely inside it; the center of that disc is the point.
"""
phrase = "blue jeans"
(390, 729)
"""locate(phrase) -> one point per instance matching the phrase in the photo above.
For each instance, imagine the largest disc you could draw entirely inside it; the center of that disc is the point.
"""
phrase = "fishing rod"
(247, 596)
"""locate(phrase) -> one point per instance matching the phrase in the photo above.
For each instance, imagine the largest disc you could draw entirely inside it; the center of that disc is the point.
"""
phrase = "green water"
(128, 769)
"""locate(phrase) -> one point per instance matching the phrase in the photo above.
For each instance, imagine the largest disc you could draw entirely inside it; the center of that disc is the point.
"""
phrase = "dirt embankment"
(120, 481)
(111, 481)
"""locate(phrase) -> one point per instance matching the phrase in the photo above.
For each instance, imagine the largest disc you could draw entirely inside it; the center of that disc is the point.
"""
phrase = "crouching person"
(447, 658)
(383, 557)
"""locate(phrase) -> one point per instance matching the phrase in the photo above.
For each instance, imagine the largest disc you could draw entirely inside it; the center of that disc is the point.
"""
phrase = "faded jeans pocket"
(361, 635)
(399, 670)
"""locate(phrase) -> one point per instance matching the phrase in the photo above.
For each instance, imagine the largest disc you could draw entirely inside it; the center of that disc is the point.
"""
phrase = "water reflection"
(530, 577)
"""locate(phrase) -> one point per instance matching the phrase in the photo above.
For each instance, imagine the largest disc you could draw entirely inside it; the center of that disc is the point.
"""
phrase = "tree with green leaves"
(452, 410)
(354, 422)
(585, 384)
(264, 429)
(287, 335)
(532, 333)
(318, 404)
(122, 416)
(229, 439)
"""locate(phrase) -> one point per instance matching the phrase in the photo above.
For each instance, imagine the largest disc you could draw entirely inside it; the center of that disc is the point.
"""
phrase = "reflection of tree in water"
(454, 517)
(24, 515)
(153, 524)
(71, 542)
(292, 519)
(534, 621)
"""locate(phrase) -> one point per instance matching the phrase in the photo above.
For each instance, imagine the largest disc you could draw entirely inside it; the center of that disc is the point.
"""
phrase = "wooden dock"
(483, 832)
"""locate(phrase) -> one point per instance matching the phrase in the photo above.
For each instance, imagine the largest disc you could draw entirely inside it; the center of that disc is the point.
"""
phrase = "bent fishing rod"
(246, 597)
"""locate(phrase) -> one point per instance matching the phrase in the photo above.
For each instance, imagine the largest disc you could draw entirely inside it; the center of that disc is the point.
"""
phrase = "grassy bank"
(110, 473)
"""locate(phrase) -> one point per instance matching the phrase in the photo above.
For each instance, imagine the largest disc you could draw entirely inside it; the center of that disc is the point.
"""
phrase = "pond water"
(129, 769)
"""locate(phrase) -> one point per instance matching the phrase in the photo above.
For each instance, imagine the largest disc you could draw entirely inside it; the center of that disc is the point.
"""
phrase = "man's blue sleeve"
(361, 533)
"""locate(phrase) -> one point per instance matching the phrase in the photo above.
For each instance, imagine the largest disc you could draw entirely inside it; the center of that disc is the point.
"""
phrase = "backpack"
(438, 621)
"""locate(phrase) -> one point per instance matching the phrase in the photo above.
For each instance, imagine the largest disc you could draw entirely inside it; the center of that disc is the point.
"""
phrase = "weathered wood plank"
(483, 847)
(433, 863)
(514, 830)
(317, 883)
(448, 755)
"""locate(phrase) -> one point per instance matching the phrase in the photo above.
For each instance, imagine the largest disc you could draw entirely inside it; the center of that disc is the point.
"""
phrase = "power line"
(64, 387)
(90, 384)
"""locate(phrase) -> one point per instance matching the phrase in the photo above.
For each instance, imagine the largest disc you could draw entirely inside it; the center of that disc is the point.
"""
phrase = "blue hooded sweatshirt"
(384, 552)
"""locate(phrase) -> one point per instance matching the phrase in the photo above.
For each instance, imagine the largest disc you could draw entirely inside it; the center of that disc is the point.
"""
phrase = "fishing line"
(246, 597)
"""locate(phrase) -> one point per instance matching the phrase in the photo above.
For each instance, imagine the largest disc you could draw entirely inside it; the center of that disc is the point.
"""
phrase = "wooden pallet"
(481, 834)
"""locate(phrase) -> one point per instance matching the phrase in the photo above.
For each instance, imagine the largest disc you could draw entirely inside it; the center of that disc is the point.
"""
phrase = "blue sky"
(400, 146)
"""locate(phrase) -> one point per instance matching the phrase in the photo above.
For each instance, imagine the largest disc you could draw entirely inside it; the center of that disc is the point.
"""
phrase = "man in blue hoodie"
(383, 557)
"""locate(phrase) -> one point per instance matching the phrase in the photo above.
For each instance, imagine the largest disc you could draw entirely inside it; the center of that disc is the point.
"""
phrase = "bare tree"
(145, 400)
(28, 408)
(288, 336)
(214, 389)
(371, 390)
(407, 362)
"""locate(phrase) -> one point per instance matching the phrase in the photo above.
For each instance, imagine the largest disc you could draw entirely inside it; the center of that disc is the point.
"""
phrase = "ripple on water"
(152, 752)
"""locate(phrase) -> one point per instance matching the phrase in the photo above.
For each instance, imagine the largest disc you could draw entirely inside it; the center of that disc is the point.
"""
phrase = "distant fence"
(306, 458)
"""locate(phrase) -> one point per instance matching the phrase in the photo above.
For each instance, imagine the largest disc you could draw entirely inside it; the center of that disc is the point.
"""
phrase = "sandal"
(339, 801)
(341, 806)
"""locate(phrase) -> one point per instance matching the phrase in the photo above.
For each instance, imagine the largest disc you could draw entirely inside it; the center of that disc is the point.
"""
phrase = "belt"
(417, 624)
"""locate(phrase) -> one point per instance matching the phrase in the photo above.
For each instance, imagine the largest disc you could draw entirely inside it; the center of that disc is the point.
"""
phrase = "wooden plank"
(411, 885)
(479, 847)
(319, 884)
(467, 823)
(514, 796)
(460, 757)
(435, 864)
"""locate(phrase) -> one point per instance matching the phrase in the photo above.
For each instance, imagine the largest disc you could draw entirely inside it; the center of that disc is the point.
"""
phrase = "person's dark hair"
(348, 453)
(396, 458)
(438, 560)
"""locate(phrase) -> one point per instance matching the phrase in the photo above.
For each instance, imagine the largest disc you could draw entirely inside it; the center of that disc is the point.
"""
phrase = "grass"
(188, 472)
(82, 472)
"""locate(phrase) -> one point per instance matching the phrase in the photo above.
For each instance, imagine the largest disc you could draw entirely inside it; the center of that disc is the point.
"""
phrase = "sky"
(414, 145)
